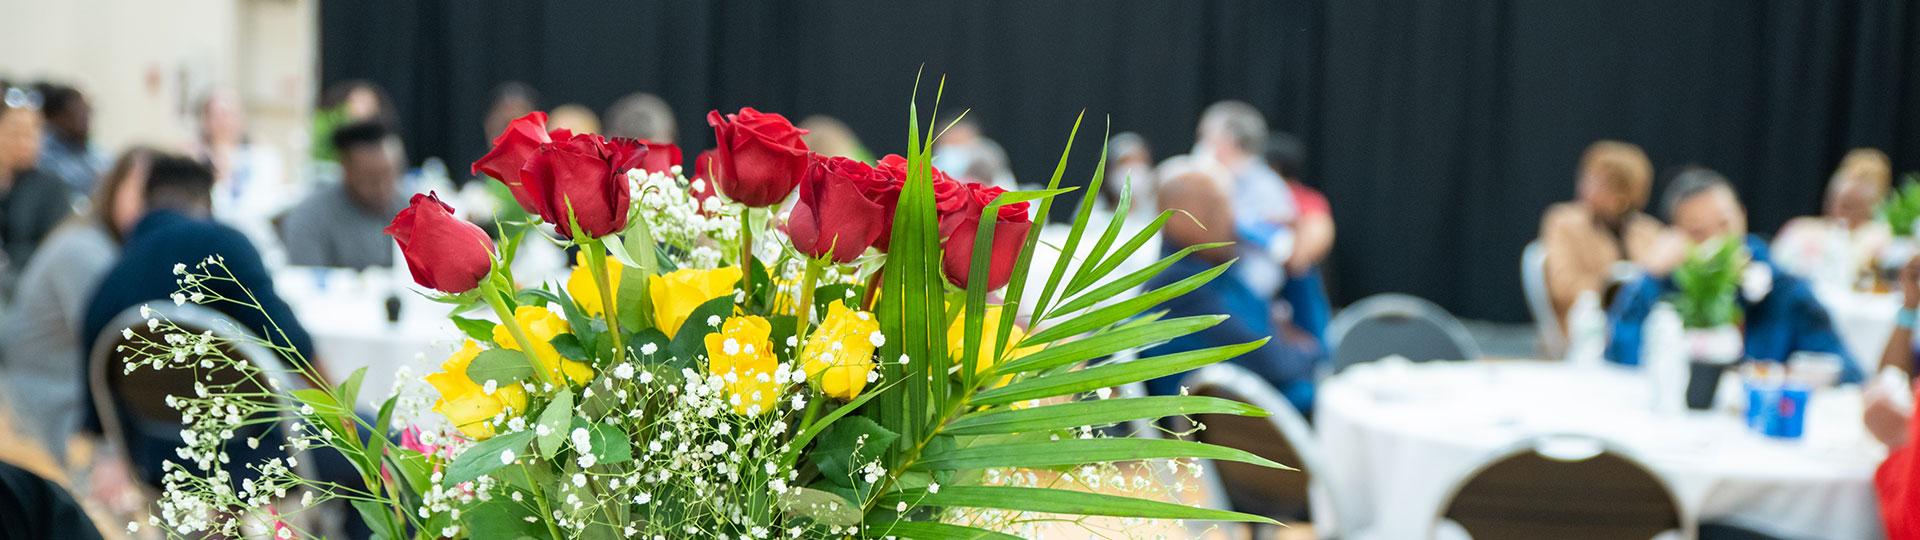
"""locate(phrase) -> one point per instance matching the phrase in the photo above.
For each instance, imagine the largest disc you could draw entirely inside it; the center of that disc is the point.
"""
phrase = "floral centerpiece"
(718, 367)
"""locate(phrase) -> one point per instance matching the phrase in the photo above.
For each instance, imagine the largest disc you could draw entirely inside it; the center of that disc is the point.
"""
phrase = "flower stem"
(597, 264)
(803, 309)
(746, 256)
(491, 292)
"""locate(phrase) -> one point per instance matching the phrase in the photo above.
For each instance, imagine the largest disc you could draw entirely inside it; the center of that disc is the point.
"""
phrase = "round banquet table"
(1864, 320)
(346, 314)
(1397, 437)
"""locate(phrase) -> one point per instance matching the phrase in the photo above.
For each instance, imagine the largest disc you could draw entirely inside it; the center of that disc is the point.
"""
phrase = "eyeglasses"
(21, 98)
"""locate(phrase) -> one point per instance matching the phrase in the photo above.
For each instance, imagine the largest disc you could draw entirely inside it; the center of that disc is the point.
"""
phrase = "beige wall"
(145, 62)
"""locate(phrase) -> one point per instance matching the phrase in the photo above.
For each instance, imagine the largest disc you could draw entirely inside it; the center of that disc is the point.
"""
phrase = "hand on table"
(1886, 420)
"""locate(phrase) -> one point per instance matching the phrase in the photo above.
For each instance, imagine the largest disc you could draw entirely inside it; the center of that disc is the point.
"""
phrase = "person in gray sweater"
(40, 354)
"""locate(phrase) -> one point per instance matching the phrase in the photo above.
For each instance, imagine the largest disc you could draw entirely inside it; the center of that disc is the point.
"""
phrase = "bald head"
(1204, 212)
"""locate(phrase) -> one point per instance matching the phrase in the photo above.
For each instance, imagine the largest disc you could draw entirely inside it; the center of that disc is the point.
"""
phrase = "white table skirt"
(1864, 321)
(1397, 438)
(347, 317)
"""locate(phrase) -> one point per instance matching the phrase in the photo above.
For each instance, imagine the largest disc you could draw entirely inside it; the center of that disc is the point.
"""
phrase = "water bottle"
(1586, 331)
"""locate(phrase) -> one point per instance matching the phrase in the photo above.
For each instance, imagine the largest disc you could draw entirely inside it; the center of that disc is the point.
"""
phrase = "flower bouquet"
(719, 367)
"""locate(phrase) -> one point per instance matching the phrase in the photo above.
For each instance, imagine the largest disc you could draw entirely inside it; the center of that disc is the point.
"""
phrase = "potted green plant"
(1707, 288)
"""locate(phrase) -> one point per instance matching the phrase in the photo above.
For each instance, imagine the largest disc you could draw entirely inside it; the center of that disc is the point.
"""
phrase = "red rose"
(834, 215)
(443, 252)
(760, 156)
(948, 196)
(1009, 237)
(661, 157)
(588, 174)
(511, 150)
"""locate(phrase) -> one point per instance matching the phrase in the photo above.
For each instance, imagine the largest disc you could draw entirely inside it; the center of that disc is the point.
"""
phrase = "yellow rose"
(586, 291)
(839, 354)
(466, 403)
(989, 333)
(542, 325)
(742, 354)
(676, 294)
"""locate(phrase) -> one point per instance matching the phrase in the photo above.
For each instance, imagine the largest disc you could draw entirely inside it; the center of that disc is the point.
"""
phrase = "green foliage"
(1707, 285)
(1902, 206)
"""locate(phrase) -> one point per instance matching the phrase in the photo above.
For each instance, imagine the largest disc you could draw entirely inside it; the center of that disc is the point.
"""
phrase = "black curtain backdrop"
(1439, 130)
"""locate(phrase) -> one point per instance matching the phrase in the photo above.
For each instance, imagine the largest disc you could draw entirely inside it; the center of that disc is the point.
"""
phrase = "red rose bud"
(834, 215)
(1009, 237)
(704, 167)
(443, 252)
(760, 156)
(587, 174)
(511, 151)
(661, 157)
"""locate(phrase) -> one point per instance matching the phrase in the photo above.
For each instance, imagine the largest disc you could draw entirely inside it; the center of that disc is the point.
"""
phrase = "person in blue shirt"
(1289, 359)
(1787, 318)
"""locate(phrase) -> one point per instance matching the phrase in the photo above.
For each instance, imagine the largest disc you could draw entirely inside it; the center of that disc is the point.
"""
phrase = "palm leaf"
(926, 530)
(1060, 501)
(1094, 413)
(1068, 452)
(1109, 375)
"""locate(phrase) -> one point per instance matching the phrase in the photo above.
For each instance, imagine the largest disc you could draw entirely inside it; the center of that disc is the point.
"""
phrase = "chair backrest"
(1392, 324)
(1565, 487)
(136, 403)
(1283, 437)
(1533, 280)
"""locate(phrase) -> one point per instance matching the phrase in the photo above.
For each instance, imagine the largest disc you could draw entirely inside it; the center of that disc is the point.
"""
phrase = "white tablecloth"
(1864, 321)
(1398, 437)
(347, 316)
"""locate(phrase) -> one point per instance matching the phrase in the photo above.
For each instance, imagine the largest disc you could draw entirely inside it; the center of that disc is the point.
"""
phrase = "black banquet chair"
(1392, 324)
(1564, 487)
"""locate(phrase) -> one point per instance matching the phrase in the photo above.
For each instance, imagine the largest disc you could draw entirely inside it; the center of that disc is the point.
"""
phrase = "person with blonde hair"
(1840, 245)
(1603, 226)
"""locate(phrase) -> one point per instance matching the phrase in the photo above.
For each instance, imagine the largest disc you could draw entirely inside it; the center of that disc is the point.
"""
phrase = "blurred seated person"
(250, 187)
(573, 117)
(1288, 360)
(348, 102)
(68, 153)
(1785, 319)
(643, 116)
(1895, 424)
(1837, 246)
(1603, 225)
(828, 136)
(32, 203)
(341, 225)
(40, 337)
(1129, 168)
(1304, 290)
(177, 230)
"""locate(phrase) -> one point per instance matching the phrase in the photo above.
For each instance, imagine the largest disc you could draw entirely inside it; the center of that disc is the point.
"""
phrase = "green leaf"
(379, 518)
(484, 458)
(377, 441)
(637, 342)
(557, 418)
(1126, 308)
(822, 507)
(1113, 288)
(631, 297)
(826, 295)
(1113, 374)
(349, 391)
(1112, 341)
(1060, 501)
(502, 366)
(502, 519)
(1094, 413)
(799, 442)
(929, 530)
(691, 341)
(1050, 453)
(849, 445)
(323, 403)
(1118, 256)
(569, 347)
(479, 329)
(1073, 235)
(610, 444)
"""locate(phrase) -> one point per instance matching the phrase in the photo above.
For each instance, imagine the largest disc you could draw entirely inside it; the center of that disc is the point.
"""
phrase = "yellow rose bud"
(676, 294)
(989, 334)
(742, 354)
(839, 354)
(466, 403)
(586, 291)
(542, 325)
